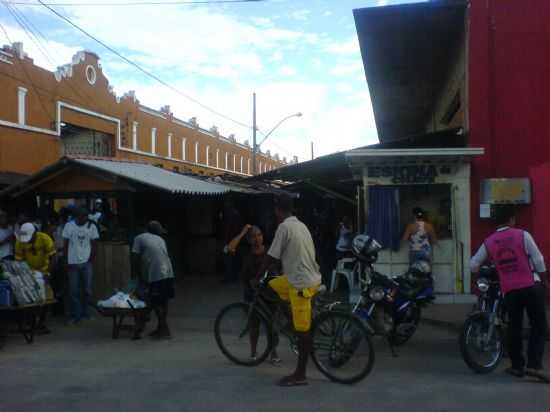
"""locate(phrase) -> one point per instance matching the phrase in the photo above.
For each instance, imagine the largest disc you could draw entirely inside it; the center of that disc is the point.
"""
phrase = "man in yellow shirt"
(37, 249)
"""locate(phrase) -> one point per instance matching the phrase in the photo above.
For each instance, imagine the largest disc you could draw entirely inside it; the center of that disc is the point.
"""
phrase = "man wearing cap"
(80, 246)
(154, 268)
(37, 249)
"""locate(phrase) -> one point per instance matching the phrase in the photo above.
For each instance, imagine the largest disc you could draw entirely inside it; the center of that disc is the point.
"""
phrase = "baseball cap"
(25, 233)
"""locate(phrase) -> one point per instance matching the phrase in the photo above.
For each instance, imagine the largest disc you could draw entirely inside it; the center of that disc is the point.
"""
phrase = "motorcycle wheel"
(472, 343)
(404, 331)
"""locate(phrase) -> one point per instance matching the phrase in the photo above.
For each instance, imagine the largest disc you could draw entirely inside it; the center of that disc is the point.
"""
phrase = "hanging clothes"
(383, 222)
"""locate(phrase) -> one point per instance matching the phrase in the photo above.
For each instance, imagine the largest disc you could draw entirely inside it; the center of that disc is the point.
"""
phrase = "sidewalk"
(452, 316)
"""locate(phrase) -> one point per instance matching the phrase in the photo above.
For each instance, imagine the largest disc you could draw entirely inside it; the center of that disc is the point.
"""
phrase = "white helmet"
(365, 248)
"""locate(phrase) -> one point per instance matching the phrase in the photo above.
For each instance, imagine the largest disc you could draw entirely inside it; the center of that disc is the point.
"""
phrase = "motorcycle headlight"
(376, 294)
(483, 284)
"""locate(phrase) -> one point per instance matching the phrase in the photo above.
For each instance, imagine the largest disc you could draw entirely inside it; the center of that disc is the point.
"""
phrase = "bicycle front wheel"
(244, 337)
(342, 347)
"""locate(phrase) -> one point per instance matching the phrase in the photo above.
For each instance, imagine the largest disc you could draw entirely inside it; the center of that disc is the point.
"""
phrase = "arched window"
(183, 149)
(170, 145)
(207, 154)
(197, 152)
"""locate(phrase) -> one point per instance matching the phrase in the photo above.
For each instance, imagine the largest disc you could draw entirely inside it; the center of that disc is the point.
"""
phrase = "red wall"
(509, 87)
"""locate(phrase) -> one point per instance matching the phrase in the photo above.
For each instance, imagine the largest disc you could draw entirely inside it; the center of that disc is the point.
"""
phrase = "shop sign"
(405, 174)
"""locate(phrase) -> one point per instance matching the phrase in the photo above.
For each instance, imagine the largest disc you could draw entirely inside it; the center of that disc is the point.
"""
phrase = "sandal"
(291, 380)
(517, 373)
(538, 374)
(275, 360)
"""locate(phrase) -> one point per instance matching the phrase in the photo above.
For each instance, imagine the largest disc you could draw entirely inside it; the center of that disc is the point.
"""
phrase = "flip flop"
(517, 373)
(292, 381)
(275, 361)
(533, 373)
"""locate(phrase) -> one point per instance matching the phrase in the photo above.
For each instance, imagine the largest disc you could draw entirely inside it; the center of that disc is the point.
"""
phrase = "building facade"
(481, 66)
(73, 111)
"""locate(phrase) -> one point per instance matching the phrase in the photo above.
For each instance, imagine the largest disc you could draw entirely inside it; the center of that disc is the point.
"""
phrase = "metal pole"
(254, 147)
(312, 157)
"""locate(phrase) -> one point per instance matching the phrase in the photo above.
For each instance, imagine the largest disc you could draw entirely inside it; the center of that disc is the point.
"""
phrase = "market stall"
(437, 180)
(24, 297)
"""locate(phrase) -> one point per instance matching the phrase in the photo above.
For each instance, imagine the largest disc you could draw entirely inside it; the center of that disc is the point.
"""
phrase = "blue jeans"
(80, 277)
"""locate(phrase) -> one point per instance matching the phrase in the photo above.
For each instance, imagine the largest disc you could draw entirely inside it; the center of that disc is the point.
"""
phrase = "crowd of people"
(69, 248)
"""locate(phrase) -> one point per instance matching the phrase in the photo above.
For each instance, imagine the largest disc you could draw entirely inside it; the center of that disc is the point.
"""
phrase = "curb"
(455, 327)
(442, 324)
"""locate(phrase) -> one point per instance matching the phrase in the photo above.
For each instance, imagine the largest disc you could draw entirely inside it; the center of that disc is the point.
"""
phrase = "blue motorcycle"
(390, 306)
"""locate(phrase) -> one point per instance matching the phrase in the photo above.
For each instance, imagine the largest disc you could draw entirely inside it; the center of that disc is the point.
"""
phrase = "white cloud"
(287, 71)
(382, 2)
(347, 68)
(343, 88)
(263, 21)
(301, 15)
(327, 13)
(277, 56)
(221, 60)
(350, 46)
(49, 55)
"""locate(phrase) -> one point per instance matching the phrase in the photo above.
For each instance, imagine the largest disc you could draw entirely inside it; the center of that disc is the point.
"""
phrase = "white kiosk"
(438, 180)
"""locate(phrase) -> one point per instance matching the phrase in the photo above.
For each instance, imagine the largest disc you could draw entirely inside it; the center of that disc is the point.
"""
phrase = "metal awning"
(132, 175)
(407, 52)
(156, 177)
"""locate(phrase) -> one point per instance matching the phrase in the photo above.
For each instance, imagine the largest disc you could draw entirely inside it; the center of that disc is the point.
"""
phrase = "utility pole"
(312, 157)
(254, 146)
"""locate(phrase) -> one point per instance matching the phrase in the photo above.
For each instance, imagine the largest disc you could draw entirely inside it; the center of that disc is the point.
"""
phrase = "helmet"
(365, 248)
(420, 267)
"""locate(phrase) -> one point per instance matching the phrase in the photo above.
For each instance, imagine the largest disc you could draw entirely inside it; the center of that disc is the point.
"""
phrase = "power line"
(39, 40)
(141, 69)
(22, 64)
(133, 3)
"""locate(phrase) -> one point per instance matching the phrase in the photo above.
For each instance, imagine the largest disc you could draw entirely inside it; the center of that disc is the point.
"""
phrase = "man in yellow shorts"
(293, 247)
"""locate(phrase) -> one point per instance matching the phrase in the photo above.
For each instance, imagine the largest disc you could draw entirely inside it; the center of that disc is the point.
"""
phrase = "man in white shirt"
(80, 245)
(293, 248)
(7, 237)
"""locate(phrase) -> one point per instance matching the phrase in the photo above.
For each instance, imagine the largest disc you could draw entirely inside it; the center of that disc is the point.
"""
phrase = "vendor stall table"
(26, 317)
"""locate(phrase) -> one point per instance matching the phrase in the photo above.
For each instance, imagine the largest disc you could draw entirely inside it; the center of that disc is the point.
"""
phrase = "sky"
(297, 55)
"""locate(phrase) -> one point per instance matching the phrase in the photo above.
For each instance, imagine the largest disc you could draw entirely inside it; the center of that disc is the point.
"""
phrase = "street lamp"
(255, 129)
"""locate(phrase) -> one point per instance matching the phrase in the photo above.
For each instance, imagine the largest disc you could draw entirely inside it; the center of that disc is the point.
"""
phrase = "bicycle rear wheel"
(235, 330)
(342, 347)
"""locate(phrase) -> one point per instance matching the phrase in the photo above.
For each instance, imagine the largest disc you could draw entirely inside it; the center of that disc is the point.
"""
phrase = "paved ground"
(82, 369)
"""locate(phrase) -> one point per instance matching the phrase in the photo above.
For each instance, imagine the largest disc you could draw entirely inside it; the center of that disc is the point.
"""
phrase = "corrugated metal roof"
(156, 177)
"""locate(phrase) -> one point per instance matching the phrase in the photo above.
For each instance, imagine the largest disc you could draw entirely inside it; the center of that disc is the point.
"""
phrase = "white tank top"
(420, 240)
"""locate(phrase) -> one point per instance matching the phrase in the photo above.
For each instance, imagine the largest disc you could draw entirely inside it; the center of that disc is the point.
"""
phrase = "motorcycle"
(482, 337)
(391, 306)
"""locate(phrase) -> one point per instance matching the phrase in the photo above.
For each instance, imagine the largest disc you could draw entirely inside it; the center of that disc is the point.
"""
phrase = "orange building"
(45, 115)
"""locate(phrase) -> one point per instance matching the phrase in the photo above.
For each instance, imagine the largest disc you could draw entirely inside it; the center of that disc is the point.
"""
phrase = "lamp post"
(255, 145)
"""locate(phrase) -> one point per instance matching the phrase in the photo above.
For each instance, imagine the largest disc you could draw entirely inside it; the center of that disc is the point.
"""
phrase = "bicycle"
(342, 349)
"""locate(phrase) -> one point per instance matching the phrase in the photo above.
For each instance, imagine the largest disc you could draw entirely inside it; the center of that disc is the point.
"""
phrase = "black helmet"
(365, 248)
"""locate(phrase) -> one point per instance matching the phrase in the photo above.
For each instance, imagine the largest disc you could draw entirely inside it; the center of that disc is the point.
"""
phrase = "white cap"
(26, 232)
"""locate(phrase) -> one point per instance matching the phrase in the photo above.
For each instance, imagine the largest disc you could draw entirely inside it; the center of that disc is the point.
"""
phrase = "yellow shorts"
(300, 306)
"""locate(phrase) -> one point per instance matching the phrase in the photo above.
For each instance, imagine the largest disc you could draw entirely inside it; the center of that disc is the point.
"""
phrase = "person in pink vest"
(521, 270)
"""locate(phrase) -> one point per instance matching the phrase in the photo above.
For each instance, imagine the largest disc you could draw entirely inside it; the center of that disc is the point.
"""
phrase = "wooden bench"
(26, 317)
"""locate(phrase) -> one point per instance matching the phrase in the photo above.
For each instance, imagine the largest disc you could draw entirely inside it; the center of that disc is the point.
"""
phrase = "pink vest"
(507, 251)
